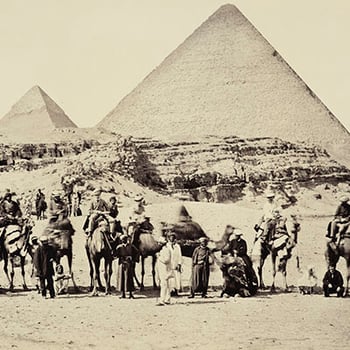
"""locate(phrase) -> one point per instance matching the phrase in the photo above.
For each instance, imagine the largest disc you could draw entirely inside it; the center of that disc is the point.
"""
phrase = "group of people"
(271, 229)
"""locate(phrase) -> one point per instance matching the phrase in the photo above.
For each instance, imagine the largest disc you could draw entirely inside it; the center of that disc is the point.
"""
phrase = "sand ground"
(267, 321)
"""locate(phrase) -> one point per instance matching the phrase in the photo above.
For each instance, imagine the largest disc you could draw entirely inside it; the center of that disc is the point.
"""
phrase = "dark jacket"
(343, 210)
(240, 246)
(43, 260)
(336, 280)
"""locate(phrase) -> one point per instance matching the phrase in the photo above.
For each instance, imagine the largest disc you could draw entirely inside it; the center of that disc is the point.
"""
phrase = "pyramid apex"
(226, 9)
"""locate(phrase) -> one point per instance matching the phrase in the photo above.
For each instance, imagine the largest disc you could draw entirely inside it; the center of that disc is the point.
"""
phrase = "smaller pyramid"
(34, 113)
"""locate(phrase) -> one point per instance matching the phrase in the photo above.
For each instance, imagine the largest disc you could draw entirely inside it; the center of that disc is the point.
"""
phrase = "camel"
(14, 246)
(98, 247)
(261, 251)
(60, 236)
(145, 242)
(343, 250)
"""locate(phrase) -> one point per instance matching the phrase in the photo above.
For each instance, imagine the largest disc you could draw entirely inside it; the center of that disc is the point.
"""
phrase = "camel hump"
(184, 214)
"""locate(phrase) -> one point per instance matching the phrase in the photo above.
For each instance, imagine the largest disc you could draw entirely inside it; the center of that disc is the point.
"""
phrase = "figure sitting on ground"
(333, 282)
(61, 280)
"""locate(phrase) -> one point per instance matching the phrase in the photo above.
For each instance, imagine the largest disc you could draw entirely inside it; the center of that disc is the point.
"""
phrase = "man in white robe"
(176, 263)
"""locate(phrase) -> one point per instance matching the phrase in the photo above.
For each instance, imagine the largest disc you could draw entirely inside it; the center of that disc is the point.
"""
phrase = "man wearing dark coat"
(341, 219)
(333, 282)
(10, 211)
(126, 252)
(43, 262)
(200, 268)
(238, 248)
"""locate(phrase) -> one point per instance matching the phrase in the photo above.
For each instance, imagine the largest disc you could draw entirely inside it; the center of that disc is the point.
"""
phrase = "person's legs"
(122, 282)
(167, 292)
(50, 286)
(43, 286)
(340, 291)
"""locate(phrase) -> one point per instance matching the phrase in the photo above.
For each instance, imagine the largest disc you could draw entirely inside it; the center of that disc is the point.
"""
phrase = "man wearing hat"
(98, 209)
(267, 222)
(176, 263)
(201, 261)
(126, 252)
(43, 262)
(340, 222)
(10, 212)
(58, 210)
(137, 215)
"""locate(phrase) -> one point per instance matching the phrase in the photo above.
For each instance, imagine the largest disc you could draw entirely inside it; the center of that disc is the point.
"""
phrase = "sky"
(88, 54)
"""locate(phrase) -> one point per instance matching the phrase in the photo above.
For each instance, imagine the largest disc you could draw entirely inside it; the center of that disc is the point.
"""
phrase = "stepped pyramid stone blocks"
(35, 113)
(225, 79)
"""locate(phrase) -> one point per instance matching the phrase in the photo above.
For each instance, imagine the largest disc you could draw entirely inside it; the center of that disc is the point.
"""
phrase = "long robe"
(175, 261)
(125, 253)
(200, 270)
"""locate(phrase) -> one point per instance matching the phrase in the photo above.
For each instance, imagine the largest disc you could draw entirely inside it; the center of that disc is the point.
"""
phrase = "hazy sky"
(88, 54)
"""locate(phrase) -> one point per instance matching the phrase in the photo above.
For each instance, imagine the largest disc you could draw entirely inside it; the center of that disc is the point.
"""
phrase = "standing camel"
(261, 250)
(146, 244)
(60, 236)
(98, 247)
(14, 245)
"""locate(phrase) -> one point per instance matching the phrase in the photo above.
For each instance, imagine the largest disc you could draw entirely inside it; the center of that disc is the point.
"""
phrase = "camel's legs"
(91, 268)
(96, 277)
(6, 263)
(273, 260)
(70, 263)
(346, 293)
(136, 279)
(142, 287)
(23, 273)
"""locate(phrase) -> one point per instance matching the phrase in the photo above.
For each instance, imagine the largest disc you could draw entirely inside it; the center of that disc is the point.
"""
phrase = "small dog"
(308, 281)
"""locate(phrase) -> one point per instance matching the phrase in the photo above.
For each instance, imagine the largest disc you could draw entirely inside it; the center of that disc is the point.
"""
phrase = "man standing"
(165, 273)
(176, 262)
(126, 252)
(43, 261)
(333, 282)
(200, 268)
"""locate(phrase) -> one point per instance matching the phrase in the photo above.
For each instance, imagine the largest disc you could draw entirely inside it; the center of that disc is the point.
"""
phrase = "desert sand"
(266, 321)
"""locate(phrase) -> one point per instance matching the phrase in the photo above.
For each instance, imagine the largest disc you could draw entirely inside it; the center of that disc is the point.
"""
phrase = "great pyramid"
(226, 79)
(35, 113)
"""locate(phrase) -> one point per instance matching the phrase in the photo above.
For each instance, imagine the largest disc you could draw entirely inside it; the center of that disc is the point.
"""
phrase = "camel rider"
(280, 235)
(97, 212)
(341, 220)
(137, 215)
(113, 214)
(58, 210)
(267, 222)
(10, 212)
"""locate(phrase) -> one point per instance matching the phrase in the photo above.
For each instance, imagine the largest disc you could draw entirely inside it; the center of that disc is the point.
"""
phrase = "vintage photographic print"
(174, 174)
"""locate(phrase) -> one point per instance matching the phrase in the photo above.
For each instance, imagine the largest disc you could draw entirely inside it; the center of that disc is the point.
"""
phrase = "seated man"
(280, 235)
(97, 212)
(340, 222)
(10, 211)
(267, 223)
(333, 282)
(58, 210)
